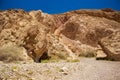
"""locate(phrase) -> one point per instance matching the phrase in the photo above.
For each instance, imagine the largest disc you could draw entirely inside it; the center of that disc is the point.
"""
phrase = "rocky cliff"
(67, 36)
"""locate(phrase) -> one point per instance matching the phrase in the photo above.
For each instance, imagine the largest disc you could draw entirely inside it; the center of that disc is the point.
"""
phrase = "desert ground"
(85, 69)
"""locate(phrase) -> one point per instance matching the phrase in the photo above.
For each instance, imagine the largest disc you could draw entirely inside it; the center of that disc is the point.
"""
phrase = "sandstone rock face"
(21, 29)
(69, 35)
(111, 46)
(56, 47)
(87, 29)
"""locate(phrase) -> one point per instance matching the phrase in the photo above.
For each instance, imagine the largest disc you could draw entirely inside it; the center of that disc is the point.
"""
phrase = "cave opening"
(44, 56)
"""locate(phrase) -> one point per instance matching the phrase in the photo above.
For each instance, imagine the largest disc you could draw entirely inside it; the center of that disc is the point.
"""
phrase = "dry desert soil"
(86, 69)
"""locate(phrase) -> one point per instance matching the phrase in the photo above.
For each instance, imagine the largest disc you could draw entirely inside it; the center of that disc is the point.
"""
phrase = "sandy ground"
(86, 69)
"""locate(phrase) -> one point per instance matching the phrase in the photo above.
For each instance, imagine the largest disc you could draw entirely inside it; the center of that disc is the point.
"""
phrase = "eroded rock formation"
(111, 46)
(67, 35)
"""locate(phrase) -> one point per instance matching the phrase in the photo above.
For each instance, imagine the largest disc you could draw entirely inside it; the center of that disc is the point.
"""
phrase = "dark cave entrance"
(44, 56)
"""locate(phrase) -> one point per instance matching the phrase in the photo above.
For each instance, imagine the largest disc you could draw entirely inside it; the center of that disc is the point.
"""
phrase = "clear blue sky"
(58, 6)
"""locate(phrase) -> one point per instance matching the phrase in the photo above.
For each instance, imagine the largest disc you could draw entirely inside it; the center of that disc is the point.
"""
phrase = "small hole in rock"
(44, 57)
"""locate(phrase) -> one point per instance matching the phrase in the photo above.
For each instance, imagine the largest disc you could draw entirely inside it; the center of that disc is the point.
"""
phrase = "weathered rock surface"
(22, 29)
(67, 35)
(111, 46)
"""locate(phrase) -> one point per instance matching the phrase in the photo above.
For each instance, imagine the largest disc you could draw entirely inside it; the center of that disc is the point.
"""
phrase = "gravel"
(86, 69)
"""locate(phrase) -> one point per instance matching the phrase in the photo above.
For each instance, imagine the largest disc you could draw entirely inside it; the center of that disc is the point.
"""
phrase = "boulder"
(111, 46)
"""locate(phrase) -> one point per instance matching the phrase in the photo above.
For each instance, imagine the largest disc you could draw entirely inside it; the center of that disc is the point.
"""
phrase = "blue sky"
(58, 6)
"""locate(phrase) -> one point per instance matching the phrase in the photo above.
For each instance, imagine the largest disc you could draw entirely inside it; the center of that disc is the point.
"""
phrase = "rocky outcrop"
(111, 46)
(106, 13)
(56, 47)
(21, 29)
(35, 42)
(87, 29)
(67, 35)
